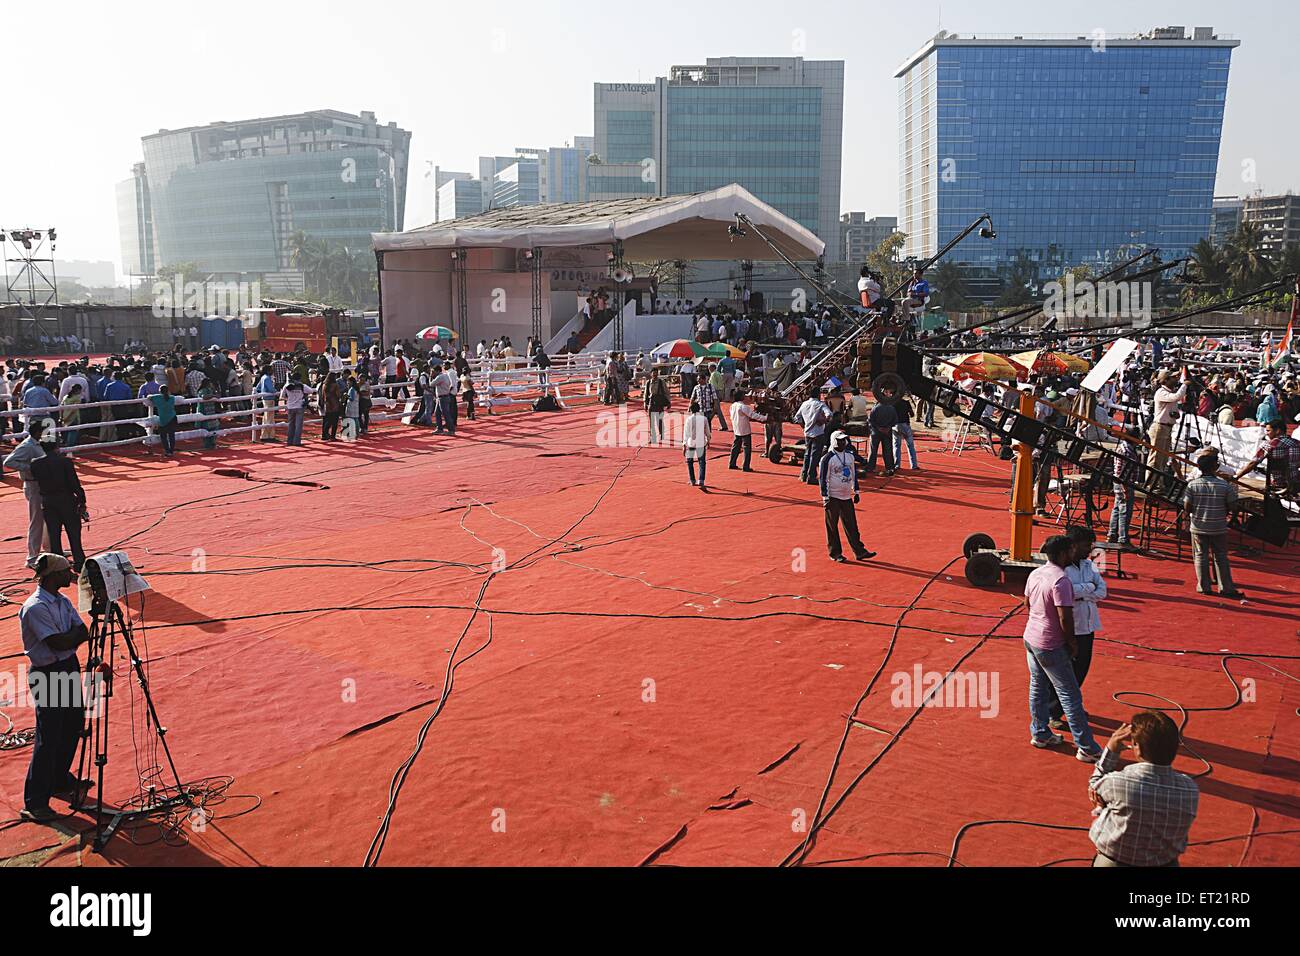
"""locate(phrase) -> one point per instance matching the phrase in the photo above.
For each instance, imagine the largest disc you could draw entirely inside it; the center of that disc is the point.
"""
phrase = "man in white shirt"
(742, 418)
(76, 378)
(1166, 412)
(20, 460)
(813, 416)
(444, 391)
(335, 362)
(839, 487)
(868, 289)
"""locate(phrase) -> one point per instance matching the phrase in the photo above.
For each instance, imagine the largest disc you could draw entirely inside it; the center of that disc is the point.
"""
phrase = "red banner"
(283, 333)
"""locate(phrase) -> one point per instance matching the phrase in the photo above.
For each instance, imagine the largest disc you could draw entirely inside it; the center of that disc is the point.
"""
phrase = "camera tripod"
(108, 623)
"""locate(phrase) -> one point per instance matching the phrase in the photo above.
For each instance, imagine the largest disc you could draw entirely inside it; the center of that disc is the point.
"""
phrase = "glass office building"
(774, 125)
(229, 196)
(519, 184)
(1081, 149)
(135, 223)
(767, 140)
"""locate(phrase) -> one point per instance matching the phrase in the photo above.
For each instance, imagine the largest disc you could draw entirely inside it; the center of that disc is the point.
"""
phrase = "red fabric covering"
(722, 607)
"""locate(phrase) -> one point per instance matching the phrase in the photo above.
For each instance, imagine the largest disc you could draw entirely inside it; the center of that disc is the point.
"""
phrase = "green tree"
(311, 257)
(950, 292)
(885, 261)
(1016, 285)
(1247, 263)
(334, 274)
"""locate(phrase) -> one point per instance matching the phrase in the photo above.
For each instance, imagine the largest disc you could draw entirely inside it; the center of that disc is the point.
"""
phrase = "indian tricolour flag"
(1284, 347)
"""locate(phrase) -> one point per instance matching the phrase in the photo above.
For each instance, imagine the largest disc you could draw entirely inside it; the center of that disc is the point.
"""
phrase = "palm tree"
(311, 255)
(350, 273)
(1246, 260)
(1015, 287)
(951, 294)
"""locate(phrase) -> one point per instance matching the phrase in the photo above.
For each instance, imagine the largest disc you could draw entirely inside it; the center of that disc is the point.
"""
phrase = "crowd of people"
(230, 388)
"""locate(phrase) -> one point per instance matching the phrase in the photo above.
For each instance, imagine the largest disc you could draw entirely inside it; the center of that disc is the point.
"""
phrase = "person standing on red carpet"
(838, 477)
(1050, 649)
(695, 443)
(52, 630)
(743, 417)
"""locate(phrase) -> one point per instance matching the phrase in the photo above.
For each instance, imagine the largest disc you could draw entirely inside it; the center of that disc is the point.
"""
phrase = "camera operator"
(1166, 401)
(52, 630)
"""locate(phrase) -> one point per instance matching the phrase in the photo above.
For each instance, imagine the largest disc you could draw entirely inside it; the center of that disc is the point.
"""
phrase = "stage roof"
(651, 227)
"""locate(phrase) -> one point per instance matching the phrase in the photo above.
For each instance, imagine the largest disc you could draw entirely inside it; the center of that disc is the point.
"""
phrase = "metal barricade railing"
(498, 383)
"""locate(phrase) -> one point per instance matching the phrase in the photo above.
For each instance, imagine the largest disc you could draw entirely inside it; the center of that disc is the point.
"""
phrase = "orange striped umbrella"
(985, 367)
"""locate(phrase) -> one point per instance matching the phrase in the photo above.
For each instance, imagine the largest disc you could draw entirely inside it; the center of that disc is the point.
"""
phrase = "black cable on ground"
(376, 848)
(797, 856)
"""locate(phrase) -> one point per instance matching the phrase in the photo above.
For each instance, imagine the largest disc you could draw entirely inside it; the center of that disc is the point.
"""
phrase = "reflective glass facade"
(135, 223)
(773, 125)
(767, 139)
(229, 196)
(237, 215)
(1078, 154)
(630, 135)
(519, 184)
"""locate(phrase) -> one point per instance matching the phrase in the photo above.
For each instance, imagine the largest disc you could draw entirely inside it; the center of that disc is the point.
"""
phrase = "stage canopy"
(652, 227)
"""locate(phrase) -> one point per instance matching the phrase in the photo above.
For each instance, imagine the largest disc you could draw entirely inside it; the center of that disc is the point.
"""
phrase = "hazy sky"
(485, 77)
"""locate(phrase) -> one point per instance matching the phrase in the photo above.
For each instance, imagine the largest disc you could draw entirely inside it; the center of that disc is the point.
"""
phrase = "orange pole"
(1022, 494)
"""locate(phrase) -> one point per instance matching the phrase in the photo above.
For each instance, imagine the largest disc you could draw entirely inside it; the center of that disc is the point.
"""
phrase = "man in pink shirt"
(1050, 648)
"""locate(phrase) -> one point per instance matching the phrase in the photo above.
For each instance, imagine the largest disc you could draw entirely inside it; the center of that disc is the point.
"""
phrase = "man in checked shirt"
(1143, 809)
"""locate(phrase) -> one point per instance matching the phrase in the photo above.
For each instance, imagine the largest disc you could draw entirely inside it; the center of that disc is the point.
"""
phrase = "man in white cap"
(1166, 401)
(52, 630)
(839, 485)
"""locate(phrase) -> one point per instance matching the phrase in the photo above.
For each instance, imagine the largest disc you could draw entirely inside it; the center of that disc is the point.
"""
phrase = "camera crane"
(888, 364)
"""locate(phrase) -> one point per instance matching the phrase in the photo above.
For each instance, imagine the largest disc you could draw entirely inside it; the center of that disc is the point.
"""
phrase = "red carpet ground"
(654, 675)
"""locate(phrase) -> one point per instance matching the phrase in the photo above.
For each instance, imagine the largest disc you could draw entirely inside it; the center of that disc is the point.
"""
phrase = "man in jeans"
(294, 397)
(813, 416)
(742, 418)
(1127, 464)
(1050, 648)
(706, 396)
(444, 391)
(1207, 500)
(883, 418)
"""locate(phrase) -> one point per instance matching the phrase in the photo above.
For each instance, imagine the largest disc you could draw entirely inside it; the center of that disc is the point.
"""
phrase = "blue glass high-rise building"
(1081, 148)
